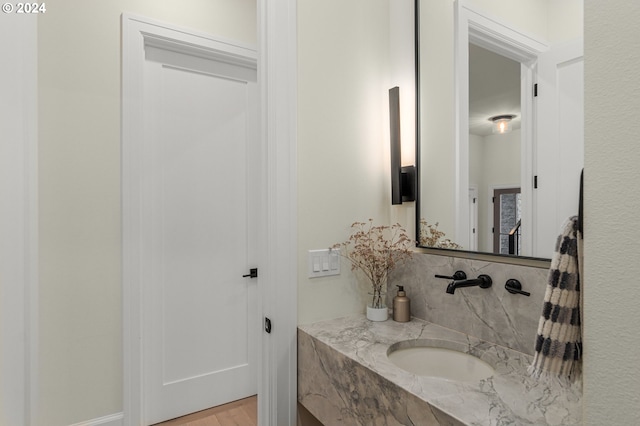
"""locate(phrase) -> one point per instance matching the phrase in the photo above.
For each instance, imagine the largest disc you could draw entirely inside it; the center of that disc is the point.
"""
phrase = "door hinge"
(535, 182)
(267, 325)
(493, 199)
(253, 273)
(535, 90)
(493, 230)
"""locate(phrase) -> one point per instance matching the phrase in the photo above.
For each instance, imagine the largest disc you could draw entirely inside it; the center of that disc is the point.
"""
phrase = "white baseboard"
(110, 420)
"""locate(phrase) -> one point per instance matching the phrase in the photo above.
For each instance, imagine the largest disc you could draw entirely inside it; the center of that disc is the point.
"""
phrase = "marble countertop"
(509, 397)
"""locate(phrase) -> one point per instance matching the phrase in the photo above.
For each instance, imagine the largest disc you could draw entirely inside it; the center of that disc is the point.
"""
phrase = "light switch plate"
(324, 263)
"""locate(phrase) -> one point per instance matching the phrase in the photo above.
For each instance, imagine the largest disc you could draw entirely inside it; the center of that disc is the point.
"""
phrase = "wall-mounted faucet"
(459, 275)
(483, 281)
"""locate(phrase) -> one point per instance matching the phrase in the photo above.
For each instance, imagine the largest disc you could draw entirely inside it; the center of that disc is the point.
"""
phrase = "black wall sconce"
(403, 179)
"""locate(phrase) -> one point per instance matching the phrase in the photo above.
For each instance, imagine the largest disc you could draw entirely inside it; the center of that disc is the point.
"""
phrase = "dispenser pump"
(401, 306)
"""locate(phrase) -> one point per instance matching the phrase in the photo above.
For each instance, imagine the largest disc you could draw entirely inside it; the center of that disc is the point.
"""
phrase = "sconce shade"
(403, 179)
(502, 123)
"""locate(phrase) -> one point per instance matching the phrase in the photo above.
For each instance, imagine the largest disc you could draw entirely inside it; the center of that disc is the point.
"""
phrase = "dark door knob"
(253, 273)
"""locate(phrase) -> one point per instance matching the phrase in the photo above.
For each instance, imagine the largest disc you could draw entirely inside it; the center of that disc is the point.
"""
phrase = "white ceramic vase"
(377, 314)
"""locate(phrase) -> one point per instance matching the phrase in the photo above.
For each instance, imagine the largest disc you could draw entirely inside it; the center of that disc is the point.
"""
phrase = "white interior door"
(560, 141)
(199, 314)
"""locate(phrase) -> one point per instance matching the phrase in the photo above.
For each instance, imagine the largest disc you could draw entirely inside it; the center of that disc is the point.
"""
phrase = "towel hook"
(581, 205)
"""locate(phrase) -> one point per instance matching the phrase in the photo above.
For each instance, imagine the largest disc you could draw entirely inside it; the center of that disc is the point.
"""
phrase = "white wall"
(402, 74)
(565, 20)
(80, 348)
(612, 202)
(528, 15)
(494, 161)
(343, 83)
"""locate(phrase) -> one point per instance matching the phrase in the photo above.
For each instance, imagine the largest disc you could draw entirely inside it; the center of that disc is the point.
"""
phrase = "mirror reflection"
(499, 170)
(494, 152)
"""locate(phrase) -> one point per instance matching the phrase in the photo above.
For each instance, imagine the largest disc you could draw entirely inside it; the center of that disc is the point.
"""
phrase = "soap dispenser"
(401, 306)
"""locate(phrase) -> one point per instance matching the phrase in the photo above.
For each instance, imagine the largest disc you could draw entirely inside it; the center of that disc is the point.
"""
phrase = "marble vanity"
(345, 378)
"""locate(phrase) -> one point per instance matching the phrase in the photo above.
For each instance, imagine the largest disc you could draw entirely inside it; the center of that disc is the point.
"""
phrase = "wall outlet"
(323, 263)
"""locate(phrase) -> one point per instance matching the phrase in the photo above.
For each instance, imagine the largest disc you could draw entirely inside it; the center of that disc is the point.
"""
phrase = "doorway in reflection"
(494, 157)
(507, 221)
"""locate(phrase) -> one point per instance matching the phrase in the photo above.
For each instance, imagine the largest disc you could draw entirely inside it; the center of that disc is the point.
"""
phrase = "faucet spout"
(483, 281)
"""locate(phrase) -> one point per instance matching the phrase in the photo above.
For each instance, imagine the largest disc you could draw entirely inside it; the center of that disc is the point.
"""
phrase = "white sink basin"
(440, 362)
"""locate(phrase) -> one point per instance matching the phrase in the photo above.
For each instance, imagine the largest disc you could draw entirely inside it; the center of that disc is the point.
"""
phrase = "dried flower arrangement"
(430, 236)
(375, 251)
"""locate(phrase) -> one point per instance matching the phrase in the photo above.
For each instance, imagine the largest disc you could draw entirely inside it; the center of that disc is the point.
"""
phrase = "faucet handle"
(513, 286)
(486, 281)
(459, 275)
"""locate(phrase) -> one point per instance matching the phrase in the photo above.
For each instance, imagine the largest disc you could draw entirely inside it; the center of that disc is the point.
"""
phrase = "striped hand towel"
(558, 346)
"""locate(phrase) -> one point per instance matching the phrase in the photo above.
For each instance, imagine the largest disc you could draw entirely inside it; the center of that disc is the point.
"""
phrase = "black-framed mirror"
(463, 166)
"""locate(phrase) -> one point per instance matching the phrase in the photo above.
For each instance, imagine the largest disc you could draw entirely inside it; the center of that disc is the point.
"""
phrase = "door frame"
(472, 25)
(278, 82)
(277, 241)
(19, 221)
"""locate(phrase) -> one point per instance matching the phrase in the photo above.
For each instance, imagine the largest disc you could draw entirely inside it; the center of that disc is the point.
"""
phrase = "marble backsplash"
(492, 314)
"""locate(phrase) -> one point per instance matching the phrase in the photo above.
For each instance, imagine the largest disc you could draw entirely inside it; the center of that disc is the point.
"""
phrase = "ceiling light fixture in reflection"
(502, 123)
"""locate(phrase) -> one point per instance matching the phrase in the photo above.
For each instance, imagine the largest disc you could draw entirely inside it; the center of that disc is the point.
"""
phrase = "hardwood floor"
(243, 412)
